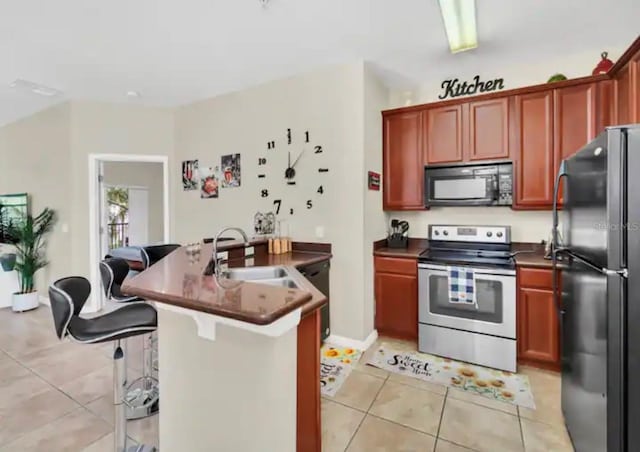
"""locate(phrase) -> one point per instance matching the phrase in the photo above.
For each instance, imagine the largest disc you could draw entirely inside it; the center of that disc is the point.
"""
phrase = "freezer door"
(594, 191)
(592, 383)
(633, 287)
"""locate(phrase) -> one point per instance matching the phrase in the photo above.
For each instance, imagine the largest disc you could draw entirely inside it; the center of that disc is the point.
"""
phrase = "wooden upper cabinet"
(606, 111)
(488, 129)
(634, 103)
(444, 134)
(623, 95)
(532, 150)
(574, 119)
(403, 165)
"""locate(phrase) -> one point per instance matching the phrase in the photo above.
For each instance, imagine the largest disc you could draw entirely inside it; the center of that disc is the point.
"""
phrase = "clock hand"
(289, 164)
(294, 163)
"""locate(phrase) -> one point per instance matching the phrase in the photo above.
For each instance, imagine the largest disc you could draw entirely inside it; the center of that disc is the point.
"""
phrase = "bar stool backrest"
(113, 272)
(152, 254)
(67, 297)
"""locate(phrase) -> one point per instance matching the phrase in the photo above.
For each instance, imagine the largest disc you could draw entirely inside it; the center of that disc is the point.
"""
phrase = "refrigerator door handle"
(624, 272)
(555, 248)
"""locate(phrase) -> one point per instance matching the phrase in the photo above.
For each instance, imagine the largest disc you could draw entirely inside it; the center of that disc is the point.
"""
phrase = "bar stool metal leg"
(120, 434)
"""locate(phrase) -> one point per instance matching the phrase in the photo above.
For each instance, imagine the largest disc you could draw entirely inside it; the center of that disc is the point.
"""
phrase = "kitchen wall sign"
(374, 181)
(456, 88)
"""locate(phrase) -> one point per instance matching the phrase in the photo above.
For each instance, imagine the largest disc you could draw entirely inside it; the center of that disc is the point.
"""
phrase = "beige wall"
(141, 174)
(47, 155)
(375, 100)
(35, 158)
(328, 103)
(102, 128)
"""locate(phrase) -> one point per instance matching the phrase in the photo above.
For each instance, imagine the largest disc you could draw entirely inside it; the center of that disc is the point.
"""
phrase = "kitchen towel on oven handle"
(462, 285)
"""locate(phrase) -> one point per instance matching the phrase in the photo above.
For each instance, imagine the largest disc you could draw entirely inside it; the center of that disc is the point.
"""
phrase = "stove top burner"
(465, 255)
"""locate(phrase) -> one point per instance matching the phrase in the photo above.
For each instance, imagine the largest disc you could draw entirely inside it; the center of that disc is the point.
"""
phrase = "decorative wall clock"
(285, 169)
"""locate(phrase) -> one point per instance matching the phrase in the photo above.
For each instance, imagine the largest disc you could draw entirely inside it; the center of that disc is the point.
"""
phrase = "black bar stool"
(113, 272)
(152, 254)
(67, 297)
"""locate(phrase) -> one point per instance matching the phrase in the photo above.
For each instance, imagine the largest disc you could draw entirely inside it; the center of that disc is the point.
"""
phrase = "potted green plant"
(28, 235)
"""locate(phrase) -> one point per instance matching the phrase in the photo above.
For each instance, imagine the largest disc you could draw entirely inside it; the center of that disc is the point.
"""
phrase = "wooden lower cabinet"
(538, 327)
(309, 428)
(396, 294)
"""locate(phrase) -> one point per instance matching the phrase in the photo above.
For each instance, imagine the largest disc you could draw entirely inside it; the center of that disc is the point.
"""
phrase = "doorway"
(128, 208)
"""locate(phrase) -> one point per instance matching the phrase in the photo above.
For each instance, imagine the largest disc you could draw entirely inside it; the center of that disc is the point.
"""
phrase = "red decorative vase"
(603, 65)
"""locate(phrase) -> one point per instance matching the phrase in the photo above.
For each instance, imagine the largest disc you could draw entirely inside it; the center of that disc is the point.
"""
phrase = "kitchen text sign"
(456, 88)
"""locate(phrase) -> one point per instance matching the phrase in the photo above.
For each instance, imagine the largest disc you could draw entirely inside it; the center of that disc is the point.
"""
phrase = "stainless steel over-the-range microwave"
(488, 184)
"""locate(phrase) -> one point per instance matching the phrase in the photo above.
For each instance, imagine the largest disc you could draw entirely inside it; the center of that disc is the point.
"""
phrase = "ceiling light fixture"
(133, 94)
(34, 88)
(459, 18)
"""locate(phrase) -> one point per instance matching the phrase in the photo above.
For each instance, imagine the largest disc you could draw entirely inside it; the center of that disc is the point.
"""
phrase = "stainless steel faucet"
(217, 262)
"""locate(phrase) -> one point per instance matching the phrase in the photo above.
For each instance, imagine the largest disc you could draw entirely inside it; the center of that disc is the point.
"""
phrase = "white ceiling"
(179, 51)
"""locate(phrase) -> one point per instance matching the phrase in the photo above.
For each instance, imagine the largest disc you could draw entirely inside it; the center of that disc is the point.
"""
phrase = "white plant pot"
(24, 301)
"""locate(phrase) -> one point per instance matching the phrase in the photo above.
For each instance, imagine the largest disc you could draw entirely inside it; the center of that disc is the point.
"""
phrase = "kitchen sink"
(255, 273)
(283, 282)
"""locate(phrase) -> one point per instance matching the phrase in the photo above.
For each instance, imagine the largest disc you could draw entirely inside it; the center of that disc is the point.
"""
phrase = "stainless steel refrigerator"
(598, 261)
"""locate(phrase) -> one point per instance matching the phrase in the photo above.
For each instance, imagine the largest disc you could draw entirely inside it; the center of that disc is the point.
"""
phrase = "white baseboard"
(342, 341)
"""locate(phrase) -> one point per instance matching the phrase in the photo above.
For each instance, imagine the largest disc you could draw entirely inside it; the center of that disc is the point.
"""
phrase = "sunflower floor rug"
(336, 363)
(490, 383)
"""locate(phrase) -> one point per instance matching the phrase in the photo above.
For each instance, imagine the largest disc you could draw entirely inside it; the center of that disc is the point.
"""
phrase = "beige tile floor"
(57, 396)
(380, 411)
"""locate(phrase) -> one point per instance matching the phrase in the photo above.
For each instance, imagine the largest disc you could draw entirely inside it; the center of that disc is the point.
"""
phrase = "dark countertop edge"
(312, 299)
(415, 247)
(535, 258)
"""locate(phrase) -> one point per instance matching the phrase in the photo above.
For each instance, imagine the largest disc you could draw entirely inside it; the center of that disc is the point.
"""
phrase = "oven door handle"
(483, 271)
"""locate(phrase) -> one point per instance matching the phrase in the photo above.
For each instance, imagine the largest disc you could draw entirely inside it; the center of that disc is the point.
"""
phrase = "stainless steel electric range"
(483, 332)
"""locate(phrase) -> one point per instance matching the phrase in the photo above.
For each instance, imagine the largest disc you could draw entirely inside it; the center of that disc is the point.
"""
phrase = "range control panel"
(479, 234)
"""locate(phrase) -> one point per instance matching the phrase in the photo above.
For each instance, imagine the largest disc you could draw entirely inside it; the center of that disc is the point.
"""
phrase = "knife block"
(398, 241)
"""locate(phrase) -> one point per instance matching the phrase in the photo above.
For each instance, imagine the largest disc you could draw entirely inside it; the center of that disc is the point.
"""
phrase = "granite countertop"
(530, 255)
(414, 249)
(527, 254)
(178, 280)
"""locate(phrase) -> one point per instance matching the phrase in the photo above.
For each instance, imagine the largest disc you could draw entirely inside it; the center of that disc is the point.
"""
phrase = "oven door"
(495, 313)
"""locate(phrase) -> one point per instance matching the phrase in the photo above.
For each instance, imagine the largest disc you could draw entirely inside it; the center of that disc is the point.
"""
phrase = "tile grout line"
(524, 447)
(444, 404)
(366, 413)
(408, 427)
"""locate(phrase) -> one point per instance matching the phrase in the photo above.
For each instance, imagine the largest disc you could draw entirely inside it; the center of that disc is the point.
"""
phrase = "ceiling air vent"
(35, 88)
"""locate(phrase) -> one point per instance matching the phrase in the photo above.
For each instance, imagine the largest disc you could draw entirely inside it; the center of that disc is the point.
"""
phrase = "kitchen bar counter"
(249, 352)
(178, 280)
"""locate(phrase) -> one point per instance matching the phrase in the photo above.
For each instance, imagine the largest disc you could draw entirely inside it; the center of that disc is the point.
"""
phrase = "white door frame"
(96, 300)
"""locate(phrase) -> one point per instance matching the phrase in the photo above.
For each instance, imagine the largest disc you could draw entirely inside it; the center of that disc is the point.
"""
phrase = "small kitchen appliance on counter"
(398, 234)
(482, 328)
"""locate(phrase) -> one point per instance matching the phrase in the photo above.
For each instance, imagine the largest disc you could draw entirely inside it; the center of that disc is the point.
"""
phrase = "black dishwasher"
(318, 275)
